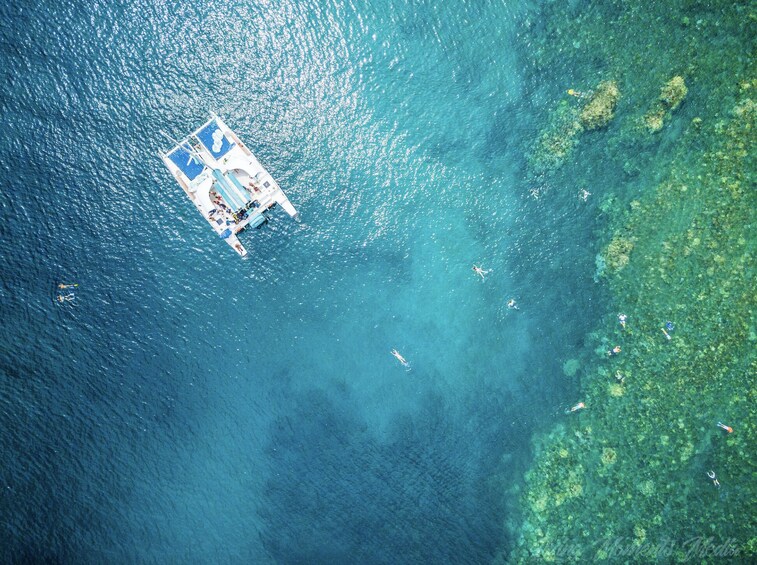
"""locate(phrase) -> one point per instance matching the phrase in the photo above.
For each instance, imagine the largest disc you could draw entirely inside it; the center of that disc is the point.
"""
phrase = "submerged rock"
(671, 96)
(673, 93)
(655, 120)
(617, 253)
(601, 107)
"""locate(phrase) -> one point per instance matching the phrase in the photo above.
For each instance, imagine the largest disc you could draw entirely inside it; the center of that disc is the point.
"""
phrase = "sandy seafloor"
(190, 406)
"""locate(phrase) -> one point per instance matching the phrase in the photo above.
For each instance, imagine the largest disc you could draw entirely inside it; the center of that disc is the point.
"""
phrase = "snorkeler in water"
(715, 480)
(722, 426)
(479, 271)
(576, 408)
(65, 297)
(64, 286)
(400, 358)
(576, 94)
(512, 304)
(622, 319)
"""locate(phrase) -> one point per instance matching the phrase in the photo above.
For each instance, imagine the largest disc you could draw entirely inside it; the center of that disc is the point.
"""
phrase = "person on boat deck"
(219, 202)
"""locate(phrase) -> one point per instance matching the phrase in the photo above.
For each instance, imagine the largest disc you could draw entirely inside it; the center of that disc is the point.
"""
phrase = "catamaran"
(225, 181)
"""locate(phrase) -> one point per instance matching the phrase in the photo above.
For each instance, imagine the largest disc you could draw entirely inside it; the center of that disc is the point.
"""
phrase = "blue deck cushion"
(214, 140)
(187, 163)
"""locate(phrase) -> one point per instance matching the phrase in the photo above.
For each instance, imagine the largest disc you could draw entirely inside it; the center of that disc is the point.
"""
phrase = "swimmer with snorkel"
(576, 408)
(479, 271)
(400, 358)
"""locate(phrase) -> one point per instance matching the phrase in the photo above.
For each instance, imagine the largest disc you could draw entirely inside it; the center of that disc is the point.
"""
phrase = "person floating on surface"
(729, 429)
(400, 358)
(620, 377)
(584, 194)
(715, 480)
(65, 297)
(614, 351)
(575, 93)
(479, 271)
(512, 305)
(576, 408)
(622, 319)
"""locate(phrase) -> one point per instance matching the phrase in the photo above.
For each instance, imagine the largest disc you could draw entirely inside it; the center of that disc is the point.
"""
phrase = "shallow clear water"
(191, 406)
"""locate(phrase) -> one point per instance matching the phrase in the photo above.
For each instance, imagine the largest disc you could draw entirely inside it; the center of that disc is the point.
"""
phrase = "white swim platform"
(224, 180)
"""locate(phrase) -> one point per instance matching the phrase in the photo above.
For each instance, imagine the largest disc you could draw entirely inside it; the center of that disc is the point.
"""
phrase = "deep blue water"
(194, 407)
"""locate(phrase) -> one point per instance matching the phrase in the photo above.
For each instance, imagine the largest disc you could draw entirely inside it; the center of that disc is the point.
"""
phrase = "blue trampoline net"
(187, 163)
(214, 140)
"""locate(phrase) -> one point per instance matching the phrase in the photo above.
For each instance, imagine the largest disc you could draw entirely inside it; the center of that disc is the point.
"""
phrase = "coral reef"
(557, 140)
(681, 248)
(617, 253)
(566, 122)
(600, 109)
(570, 367)
(673, 93)
(616, 390)
(671, 96)
(608, 456)
(655, 119)
(652, 438)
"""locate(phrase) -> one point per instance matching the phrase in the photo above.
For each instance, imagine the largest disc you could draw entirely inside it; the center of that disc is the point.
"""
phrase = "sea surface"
(193, 407)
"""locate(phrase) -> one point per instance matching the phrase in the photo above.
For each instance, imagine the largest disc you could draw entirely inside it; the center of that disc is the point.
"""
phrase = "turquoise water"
(194, 407)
